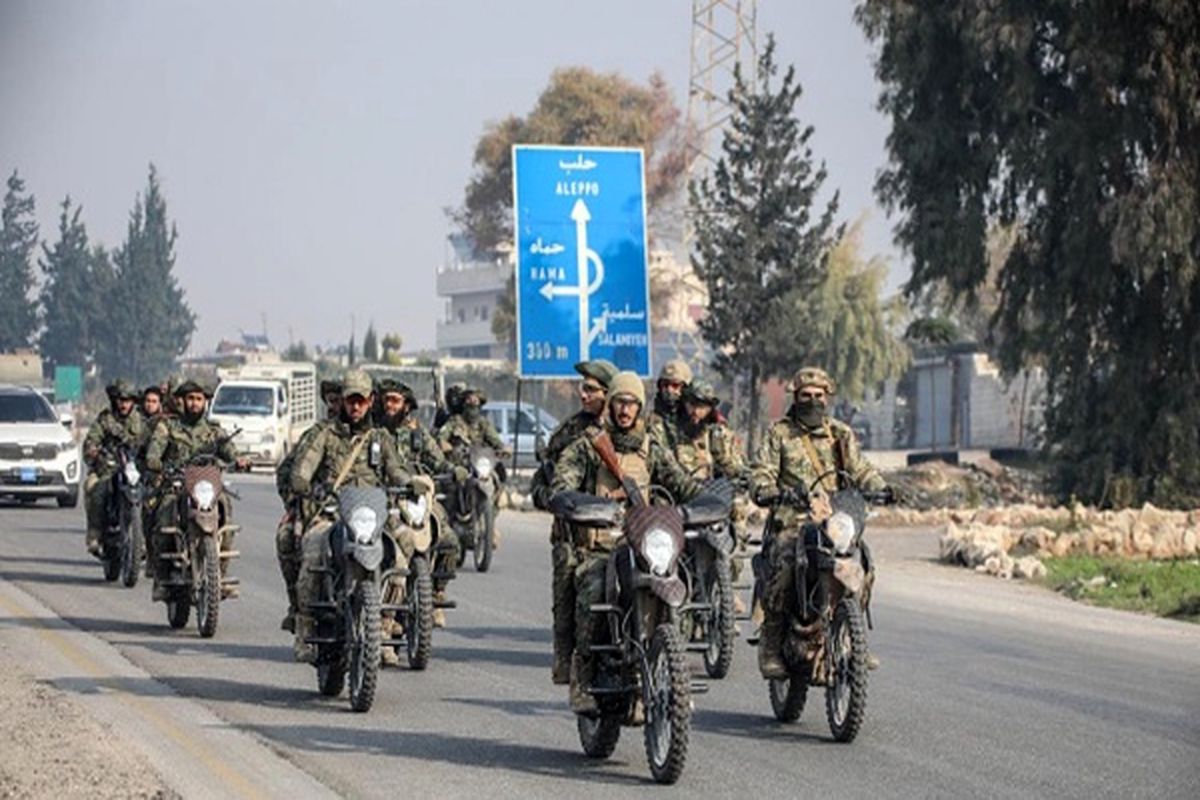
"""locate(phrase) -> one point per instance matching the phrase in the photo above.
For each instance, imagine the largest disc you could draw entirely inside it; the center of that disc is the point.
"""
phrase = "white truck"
(272, 403)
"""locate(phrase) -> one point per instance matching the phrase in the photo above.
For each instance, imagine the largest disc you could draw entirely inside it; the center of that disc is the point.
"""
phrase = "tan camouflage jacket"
(783, 461)
(283, 472)
(458, 436)
(175, 442)
(109, 431)
(579, 425)
(326, 454)
(417, 446)
(713, 452)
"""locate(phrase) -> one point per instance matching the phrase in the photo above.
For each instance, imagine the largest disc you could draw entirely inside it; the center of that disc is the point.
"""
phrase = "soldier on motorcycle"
(588, 421)
(287, 542)
(798, 450)
(664, 422)
(349, 452)
(174, 442)
(418, 450)
(120, 423)
(581, 468)
(468, 428)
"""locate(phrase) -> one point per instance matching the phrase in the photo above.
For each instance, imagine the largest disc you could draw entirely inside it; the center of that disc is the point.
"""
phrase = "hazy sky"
(307, 150)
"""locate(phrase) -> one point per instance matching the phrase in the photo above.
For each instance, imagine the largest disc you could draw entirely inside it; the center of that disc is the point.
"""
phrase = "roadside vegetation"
(1165, 588)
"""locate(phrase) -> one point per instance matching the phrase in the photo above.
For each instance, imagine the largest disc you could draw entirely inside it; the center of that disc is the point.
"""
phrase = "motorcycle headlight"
(362, 522)
(416, 510)
(204, 493)
(841, 532)
(483, 467)
(133, 476)
(658, 548)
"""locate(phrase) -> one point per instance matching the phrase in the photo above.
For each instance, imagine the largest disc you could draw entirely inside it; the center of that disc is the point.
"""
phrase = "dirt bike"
(825, 642)
(472, 506)
(707, 621)
(410, 594)
(123, 544)
(195, 552)
(347, 629)
(641, 676)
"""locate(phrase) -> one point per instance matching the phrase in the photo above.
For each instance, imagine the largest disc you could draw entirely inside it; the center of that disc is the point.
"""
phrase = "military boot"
(302, 651)
(582, 701)
(289, 619)
(92, 541)
(560, 673)
(439, 616)
(770, 650)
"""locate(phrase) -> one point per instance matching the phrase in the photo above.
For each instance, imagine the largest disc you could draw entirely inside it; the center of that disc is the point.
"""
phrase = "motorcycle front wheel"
(132, 546)
(419, 630)
(846, 694)
(208, 593)
(365, 644)
(667, 694)
(720, 628)
(485, 524)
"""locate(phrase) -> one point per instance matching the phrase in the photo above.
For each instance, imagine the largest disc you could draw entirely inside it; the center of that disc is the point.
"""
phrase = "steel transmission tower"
(724, 35)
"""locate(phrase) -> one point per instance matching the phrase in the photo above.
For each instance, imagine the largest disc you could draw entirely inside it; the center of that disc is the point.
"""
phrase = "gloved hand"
(793, 497)
(766, 497)
(461, 474)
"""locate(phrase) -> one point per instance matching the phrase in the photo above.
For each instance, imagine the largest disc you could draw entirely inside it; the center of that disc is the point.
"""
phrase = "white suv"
(38, 456)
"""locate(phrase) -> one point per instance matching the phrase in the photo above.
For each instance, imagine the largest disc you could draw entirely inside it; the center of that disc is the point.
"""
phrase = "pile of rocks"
(982, 484)
(1010, 542)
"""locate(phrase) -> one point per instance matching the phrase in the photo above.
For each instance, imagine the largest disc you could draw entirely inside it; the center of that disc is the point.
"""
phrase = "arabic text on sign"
(577, 188)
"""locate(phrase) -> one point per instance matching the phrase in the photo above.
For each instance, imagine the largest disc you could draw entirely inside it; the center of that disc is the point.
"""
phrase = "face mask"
(471, 413)
(810, 412)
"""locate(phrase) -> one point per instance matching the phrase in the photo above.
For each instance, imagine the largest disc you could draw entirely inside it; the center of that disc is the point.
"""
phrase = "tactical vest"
(636, 466)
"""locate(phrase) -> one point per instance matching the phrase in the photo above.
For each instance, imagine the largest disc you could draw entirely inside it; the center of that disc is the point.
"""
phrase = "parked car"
(503, 415)
(38, 455)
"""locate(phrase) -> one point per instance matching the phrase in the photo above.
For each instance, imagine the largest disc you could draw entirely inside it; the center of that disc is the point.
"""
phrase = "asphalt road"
(987, 689)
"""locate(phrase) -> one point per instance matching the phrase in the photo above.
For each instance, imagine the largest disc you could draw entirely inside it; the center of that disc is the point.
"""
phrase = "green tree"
(147, 322)
(18, 238)
(71, 313)
(758, 237)
(297, 351)
(370, 347)
(392, 344)
(350, 351)
(1079, 125)
(578, 106)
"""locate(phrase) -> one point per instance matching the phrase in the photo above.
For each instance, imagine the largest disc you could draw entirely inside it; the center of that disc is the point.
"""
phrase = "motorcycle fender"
(849, 573)
(422, 538)
(133, 494)
(206, 521)
(486, 488)
(370, 556)
(719, 540)
(670, 590)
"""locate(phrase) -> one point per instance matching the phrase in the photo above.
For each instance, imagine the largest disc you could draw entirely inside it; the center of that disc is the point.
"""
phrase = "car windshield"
(25, 408)
(256, 400)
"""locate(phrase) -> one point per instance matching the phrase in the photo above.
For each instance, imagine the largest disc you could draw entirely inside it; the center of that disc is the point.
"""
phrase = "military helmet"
(153, 388)
(121, 389)
(410, 397)
(475, 390)
(599, 369)
(331, 386)
(628, 384)
(188, 386)
(676, 370)
(701, 392)
(454, 393)
(389, 386)
(357, 382)
(812, 376)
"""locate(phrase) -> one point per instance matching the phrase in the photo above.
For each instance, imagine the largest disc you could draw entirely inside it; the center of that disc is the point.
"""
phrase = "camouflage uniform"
(419, 451)
(664, 422)
(458, 436)
(579, 468)
(784, 462)
(287, 538)
(108, 432)
(320, 461)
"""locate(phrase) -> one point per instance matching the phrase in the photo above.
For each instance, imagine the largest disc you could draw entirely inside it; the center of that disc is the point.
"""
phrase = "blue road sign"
(582, 287)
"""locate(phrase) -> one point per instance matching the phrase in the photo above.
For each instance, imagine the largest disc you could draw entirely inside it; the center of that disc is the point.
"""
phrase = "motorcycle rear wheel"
(366, 636)
(178, 611)
(331, 677)
(208, 593)
(598, 735)
(112, 563)
(419, 630)
(846, 695)
(667, 693)
(788, 695)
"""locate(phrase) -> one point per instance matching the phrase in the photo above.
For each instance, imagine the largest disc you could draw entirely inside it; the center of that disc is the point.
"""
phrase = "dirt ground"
(51, 748)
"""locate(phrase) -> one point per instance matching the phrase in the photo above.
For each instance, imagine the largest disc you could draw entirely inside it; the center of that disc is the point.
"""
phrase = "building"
(678, 299)
(472, 290)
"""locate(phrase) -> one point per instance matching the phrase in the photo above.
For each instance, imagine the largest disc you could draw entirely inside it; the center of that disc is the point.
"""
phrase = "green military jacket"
(418, 447)
(711, 453)
(148, 426)
(580, 425)
(784, 461)
(329, 450)
(580, 469)
(458, 436)
(664, 426)
(283, 472)
(109, 431)
(174, 442)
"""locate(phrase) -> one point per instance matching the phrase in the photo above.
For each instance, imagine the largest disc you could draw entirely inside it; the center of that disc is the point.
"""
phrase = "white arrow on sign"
(584, 256)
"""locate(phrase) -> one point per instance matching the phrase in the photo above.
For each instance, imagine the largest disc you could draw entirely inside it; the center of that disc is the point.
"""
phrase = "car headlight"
(72, 468)
(841, 531)
(659, 549)
(133, 476)
(483, 466)
(416, 510)
(362, 522)
(204, 493)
